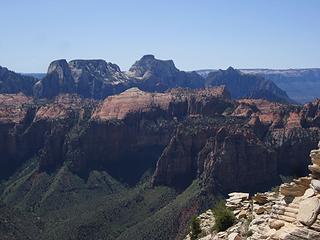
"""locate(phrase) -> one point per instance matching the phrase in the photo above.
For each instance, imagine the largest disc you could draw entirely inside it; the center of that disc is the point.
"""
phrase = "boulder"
(308, 211)
(315, 184)
(276, 224)
(293, 189)
(314, 168)
(242, 214)
(260, 198)
(234, 236)
(238, 195)
(315, 157)
(260, 210)
(309, 193)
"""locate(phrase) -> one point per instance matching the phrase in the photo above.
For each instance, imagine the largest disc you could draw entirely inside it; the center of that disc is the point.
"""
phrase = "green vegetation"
(224, 218)
(99, 207)
(164, 223)
(275, 189)
(17, 225)
(247, 232)
(195, 228)
(287, 179)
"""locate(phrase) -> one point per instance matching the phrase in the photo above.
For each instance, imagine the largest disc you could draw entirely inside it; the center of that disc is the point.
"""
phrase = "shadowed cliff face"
(159, 75)
(255, 143)
(130, 129)
(11, 82)
(240, 155)
(127, 133)
(16, 113)
(31, 129)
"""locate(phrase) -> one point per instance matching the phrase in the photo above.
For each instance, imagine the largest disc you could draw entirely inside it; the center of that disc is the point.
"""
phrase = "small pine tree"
(195, 228)
(224, 218)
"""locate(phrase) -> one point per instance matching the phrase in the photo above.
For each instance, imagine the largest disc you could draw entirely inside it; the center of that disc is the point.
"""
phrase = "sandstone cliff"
(184, 134)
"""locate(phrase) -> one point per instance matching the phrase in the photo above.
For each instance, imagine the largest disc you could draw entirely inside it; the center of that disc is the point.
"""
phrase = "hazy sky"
(196, 34)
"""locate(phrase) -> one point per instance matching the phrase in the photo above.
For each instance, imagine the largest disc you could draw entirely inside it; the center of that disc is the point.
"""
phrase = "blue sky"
(195, 34)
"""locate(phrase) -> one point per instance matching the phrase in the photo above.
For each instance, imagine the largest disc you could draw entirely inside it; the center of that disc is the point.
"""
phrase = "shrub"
(224, 218)
(248, 232)
(287, 179)
(195, 228)
(275, 189)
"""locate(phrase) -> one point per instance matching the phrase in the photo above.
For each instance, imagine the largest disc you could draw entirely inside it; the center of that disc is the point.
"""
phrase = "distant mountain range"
(242, 85)
(98, 79)
(301, 85)
(35, 75)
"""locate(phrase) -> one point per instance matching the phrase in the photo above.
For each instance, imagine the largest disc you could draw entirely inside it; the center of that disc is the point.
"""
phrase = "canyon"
(151, 160)
(137, 153)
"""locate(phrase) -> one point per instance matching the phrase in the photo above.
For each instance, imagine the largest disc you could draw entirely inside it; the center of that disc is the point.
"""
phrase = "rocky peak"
(62, 69)
(88, 78)
(148, 57)
(97, 69)
(231, 70)
(311, 114)
(247, 86)
(60, 65)
(149, 64)
(95, 65)
(154, 75)
(3, 69)
(58, 80)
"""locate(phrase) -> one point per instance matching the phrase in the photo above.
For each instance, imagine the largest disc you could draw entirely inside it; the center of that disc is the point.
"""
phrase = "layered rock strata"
(184, 134)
